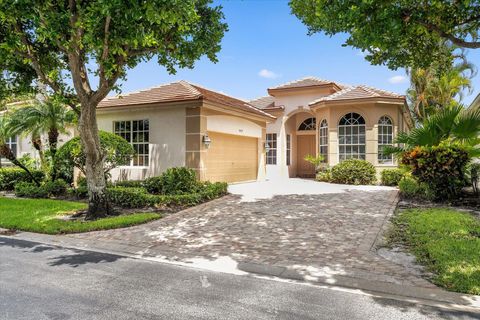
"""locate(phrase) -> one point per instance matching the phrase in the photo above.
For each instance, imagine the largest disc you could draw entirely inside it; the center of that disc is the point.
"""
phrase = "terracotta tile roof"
(306, 82)
(179, 91)
(263, 102)
(358, 92)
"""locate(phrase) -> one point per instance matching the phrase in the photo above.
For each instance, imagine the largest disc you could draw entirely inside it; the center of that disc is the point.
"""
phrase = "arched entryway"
(306, 146)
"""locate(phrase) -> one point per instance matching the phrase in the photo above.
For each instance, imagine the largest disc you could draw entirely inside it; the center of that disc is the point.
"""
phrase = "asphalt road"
(46, 282)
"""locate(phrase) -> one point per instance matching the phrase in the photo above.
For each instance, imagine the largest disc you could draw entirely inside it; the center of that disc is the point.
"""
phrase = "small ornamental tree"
(97, 41)
(397, 33)
(117, 151)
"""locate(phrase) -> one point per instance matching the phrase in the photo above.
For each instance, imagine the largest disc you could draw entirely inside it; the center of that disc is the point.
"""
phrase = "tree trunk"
(52, 143)
(37, 144)
(98, 202)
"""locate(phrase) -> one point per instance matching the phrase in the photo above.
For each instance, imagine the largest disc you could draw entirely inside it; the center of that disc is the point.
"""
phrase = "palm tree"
(44, 117)
(7, 131)
(436, 88)
(455, 124)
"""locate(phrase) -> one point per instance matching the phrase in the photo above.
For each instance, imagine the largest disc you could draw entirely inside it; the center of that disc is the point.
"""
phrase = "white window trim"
(351, 144)
(276, 149)
(392, 160)
(131, 166)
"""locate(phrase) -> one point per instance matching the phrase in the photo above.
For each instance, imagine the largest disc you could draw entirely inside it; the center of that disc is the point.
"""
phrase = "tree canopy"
(73, 44)
(396, 33)
(117, 150)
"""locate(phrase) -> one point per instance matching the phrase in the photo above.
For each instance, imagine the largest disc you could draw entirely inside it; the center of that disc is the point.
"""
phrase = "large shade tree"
(397, 33)
(97, 42)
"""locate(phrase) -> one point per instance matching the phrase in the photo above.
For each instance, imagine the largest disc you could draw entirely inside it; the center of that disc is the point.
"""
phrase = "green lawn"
(40, 215)
(446, 241)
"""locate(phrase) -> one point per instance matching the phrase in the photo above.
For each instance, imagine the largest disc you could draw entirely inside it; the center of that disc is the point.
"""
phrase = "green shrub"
(153, 185)
(139, 197)
(55, 188)
(116, 149)
(391, 177)
(324, 175)
(441, 167)
(410, 188)
(30, 190)
(179, 180)
(131, 197)
(354, 171)
(9, 177)
(129, 183)
(210, 190)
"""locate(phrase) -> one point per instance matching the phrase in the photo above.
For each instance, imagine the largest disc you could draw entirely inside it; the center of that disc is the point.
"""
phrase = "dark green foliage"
(117, 150)
(56, 188)
(441, 167)
(30, 190)
(410, 188)
(396, 33)
(153, 185)
(129, 183)
(139, 197)
(354, 171)
(48, 189)
(178, 180)
(9, 177)
(391, 177)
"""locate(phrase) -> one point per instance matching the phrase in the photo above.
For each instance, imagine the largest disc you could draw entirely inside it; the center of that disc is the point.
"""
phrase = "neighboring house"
(476, 103)
(227, 139)
(337, 121)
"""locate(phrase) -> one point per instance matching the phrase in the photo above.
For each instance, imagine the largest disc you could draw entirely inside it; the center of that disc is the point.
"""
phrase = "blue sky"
(266, 46)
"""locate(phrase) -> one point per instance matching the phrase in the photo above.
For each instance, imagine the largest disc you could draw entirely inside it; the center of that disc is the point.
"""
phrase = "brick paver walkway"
(317, 235)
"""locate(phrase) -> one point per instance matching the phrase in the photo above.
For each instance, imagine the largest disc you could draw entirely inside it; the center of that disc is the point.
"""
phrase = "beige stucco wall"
(25, 147)
(297, 109)
(167, 138)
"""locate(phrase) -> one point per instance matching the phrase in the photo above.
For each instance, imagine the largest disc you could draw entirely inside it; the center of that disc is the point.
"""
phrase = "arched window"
(308, 124)
(351, 137)
(385, 138)
(323, 140)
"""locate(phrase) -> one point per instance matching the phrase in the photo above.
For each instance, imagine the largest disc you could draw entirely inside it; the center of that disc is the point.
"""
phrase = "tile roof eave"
(269, 90)
(150, 104)
(314, 104)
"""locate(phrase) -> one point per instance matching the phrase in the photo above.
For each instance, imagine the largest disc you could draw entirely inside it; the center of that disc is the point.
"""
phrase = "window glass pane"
(351, 136)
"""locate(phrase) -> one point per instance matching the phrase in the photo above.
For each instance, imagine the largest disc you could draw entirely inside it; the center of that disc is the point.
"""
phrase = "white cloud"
(264, 73)
(397, 79)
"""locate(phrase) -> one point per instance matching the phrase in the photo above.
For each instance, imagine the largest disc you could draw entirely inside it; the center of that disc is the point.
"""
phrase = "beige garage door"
(231, 158)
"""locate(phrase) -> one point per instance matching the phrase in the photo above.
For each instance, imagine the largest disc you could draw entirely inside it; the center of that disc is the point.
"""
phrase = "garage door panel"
(231, 158)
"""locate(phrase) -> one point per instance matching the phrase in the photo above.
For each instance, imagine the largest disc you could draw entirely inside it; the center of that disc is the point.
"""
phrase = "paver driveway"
(326, 233)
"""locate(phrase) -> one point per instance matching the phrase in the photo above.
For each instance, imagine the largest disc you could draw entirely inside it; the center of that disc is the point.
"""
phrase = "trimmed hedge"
(48, 189)
(129, 183)
(140, 198)
(354, 171)
(391, 177)
(9, 177)
(173, 181)
(30, 190)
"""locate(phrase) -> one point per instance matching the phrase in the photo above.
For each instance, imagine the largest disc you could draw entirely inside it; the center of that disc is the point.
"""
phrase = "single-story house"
(228, 139)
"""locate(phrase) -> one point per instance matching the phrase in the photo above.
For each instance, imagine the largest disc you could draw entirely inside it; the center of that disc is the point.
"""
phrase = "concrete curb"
(426, 296)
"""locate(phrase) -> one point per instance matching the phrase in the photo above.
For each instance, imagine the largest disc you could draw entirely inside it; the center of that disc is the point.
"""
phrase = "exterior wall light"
(206, 140)
(267, 147)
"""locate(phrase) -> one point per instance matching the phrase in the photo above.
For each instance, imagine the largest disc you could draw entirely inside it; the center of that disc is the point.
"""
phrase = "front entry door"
(305, 146)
